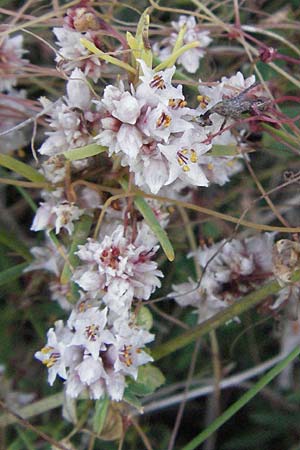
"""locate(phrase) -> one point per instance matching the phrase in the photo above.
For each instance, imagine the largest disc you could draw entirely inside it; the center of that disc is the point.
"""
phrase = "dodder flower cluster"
(165, 144)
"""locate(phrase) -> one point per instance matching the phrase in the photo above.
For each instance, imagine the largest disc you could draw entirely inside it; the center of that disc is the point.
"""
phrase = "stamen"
(126, 352)
(176, 103)
(163, 120)
(203, 101)
(91, 332)
(158, 82)
(185, 157)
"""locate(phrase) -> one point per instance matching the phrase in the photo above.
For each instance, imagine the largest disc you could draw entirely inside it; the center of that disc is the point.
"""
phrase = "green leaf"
(242, 401)
(153, 223)
(100, 414)
(148, 380)
(132, 400)
(144, 318)
(25, 170)
(84, 152)
(170, 60)
(9, 240)
(12, 273)
(155, 226)
(223, 150)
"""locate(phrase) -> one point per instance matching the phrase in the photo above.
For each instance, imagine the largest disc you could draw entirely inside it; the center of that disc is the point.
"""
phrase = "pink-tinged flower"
(44, 217)
(54, 168)
(205, 302)
(66, 213)
(56, 212)
(72, 54)
(121, 268)
(190, 59)
(121, 104)
(46, 258)
(158, 123)
(11, 61)
(87, 376)
(73, 119)
(151, 168)
(231, 269)
(135, 123)
(82, 18)
(93, 354)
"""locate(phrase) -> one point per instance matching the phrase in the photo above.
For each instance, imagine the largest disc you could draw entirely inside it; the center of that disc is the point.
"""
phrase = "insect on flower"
(235, 107)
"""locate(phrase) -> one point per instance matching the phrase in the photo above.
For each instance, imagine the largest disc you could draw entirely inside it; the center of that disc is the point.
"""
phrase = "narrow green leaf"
(155, 226)
(84, 152)
(142, 39)
(108, 58)
(100, 414)
(153, 223)
(21, 168)
(11, 274)
(170, 60)
(179, 41)
(13, 243)
(235, 407)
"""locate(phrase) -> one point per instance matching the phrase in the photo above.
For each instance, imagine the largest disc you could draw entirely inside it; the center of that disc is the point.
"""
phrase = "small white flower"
(184, 157)
(127, 349)
(44, 217)
(156, 87)
(66, 213)
(190, 59)
(89, 331)
(231, 269)
(53, 354)
(73, 119)
(46, 258)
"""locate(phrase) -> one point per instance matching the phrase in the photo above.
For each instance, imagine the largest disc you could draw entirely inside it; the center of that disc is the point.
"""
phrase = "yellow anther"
(203, 101)
(163, 120)
(46, 350)
(176, 103)
(194, 157)
(157, 82)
